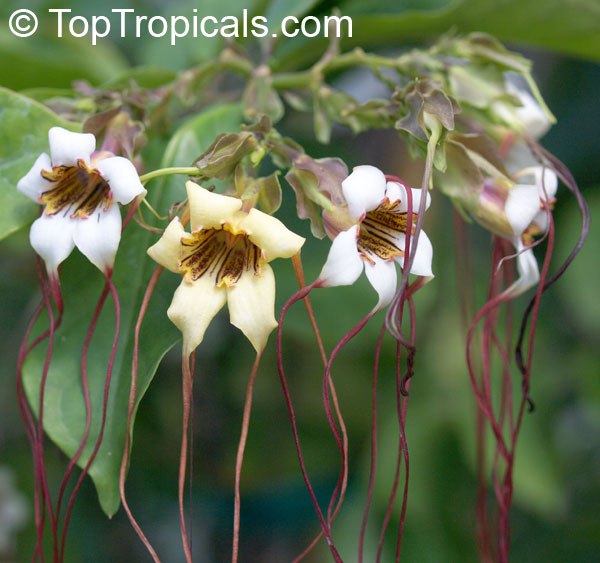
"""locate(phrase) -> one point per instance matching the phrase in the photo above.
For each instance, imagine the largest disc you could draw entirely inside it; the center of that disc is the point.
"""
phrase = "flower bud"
(318, 187)
(225, 153)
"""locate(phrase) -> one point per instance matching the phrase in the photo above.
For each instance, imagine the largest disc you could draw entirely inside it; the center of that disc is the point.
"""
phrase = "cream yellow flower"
(224, 259)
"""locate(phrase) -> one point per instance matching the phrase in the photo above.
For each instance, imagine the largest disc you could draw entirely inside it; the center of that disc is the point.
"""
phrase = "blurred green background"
(557, 491)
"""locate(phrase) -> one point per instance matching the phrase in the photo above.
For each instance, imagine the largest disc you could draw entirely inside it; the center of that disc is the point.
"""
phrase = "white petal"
(522, 205)
(166, 250)
(383, 278)
(122, 178)
(364, 189)
(52, 238)
(527, 267)
(541, 220)
(397, 191)
(193, 307)
(421, 265)
(209, 210)
(252, 306)
(66, 147)
(546, 181)
(32, 184)
(98, 236)
(343, 264)
(534, 120)
(270, 235)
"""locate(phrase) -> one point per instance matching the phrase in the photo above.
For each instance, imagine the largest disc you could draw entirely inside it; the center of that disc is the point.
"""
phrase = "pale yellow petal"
(270, 235)
(252, 306)
(209, 210)
(194, 305)
(166, 250)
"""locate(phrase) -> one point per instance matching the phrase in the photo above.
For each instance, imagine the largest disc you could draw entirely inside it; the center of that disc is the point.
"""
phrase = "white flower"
(224, 259)
(518, 213)
(78, 188)
(527, 117)
(376, 241)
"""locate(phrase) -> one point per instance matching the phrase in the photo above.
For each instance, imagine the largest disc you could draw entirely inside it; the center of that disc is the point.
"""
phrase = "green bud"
(480, 47)
(224, 154)
(265, 191)
(322, 121)
(423, 97)
(318, 188)
(260, 98)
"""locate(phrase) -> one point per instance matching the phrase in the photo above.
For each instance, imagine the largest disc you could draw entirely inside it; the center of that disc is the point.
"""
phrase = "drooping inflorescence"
(466, 107)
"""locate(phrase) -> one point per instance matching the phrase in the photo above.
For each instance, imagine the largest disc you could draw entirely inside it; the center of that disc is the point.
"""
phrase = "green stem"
(356, 57)
(185, 170)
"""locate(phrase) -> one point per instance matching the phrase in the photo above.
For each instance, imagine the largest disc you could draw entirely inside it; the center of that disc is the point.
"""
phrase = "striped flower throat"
(220, 254)
(382, 231)
(78, 191)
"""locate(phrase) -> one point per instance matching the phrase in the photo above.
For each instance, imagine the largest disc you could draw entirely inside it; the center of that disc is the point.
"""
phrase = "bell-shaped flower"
(224, 259)
(519, 212)
(79, 188)
(376, 240)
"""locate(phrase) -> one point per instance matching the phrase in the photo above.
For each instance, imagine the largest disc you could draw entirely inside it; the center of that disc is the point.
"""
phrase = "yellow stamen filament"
(220, 254)
(77, 189)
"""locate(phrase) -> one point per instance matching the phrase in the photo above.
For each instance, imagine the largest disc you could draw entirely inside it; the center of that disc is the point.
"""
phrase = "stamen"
(78, 189)
(379, 231)
(219, 254)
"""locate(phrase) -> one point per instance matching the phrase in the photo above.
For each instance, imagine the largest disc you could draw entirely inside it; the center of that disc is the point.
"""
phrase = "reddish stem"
(108, 378)
(373, 457)
(130, 409)
(240, 458)
(301, 294)
(187, 399)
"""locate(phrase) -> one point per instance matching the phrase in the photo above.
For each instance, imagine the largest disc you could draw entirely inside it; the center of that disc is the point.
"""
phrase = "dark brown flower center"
(220, 254)
(77, 190)
(379, 232)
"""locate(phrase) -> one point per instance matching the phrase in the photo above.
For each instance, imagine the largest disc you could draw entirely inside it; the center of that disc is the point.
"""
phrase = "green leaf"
(279, 9)
(64, 412)
(64, 417)
(54, 62)
(24, 125)
(568, 27)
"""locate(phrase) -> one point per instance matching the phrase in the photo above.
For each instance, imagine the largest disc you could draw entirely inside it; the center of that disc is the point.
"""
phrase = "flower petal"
(32, 184)
(66, 147)
(193, 307)
(98, 236)
(252, 306)
(529, 273)
(364, 189)
(209, 210)
(542, 220)
(533, 118)
(546, 181)
(122, 178)
(396, 191)
(270, 235)
(383, 277)
(522, 205)
(52, 238)
(421, 265)
(343, 264)
(166, 250)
